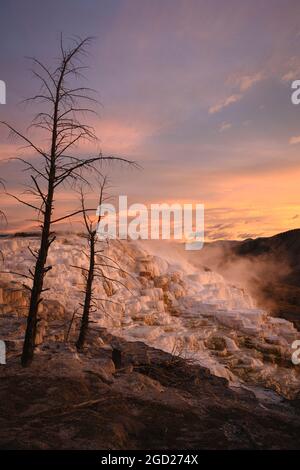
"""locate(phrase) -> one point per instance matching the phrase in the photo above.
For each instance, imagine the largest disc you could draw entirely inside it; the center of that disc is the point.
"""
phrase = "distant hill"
(286, 244)
(268, 266)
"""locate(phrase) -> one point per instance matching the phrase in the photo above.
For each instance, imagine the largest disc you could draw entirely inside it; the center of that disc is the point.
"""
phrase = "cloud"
(246, 235)
(292, 67)
(294, 140)
(242, 83)
(8, 150)
(290, 76)
(225, 126)
(119, 137)
(223, 104)
(218, 235)
(246, 82)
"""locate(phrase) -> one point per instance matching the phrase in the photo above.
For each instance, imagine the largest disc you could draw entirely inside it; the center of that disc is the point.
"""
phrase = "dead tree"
(98, 263)
(64, 102)
(2, 216)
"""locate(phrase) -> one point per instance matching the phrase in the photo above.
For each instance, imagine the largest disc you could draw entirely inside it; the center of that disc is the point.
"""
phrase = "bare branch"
(23, 137)
(80, 211)
(24, 202)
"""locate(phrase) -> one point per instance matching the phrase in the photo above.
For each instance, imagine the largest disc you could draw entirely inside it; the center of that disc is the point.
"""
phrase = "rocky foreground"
(151, 400)
(176, 358)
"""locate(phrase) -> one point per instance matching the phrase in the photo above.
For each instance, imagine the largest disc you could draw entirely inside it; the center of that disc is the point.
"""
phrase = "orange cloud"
(119, 137)
(245, 82)
(295, 140)
(224, 103)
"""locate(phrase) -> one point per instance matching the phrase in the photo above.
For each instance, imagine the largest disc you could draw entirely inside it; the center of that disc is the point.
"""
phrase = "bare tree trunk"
(88, 295)
(2, 216)
(37, 288)
(40, 266)
(98, 263)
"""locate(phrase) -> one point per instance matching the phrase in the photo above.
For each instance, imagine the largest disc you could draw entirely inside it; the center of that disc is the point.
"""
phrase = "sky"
(197, 92)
